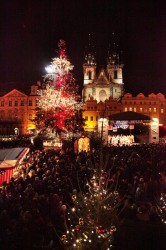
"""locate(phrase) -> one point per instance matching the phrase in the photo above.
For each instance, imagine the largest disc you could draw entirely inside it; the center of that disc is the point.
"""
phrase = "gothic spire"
(90, 54)
(113, 52)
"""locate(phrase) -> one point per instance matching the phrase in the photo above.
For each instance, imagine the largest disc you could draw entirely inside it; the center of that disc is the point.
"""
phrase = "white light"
(50, 69)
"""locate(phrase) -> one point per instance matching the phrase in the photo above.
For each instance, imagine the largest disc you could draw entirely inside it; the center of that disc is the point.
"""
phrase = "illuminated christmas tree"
(90, 219)
(59, 106)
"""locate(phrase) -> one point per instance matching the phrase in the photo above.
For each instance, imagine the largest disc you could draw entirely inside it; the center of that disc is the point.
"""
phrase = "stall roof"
(10, 157)
(129, 116)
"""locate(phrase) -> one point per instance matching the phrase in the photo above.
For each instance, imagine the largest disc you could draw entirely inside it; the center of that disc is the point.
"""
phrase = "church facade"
(108, 83)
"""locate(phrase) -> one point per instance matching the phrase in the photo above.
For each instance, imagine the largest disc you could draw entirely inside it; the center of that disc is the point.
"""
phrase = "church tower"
(89, 65)
(114, 71)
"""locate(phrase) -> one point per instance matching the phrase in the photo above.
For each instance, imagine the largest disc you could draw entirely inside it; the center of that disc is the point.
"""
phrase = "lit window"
(130, 109)
(140, 109)
(150, 110)
(125, 109)
(135, 110)
(154, 110)
(162, 111)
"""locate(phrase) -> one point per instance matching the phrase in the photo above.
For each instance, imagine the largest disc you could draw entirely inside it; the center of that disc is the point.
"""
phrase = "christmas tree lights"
(90, 220)
(59, 106)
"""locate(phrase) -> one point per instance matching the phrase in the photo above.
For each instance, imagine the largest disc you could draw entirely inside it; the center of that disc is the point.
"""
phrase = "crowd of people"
(31, 204)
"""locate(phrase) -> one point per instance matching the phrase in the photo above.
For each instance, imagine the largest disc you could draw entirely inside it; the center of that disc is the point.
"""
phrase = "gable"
(102, 79)
(15, 93)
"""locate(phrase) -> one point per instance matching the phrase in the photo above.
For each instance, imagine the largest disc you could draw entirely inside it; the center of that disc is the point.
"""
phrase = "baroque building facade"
(17, 110)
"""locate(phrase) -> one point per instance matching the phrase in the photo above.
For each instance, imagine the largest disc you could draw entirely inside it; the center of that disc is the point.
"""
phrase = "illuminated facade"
(153, 105)
(108, 82)
(17, 110)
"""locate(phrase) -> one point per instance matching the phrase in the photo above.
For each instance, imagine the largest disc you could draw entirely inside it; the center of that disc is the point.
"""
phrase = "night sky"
(30, 31)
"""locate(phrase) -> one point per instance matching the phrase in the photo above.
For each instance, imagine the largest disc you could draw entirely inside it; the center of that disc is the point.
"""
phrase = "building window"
(86, 118)
(90, 75)
(16, 103)
(96, 118)
(115, 74)
(2, 103)
(91, 118)
(22, 103)
(130, 109)
(37, 102)
(125, 109)
(154, 110)
(30, 102)
(140, 102)
(150, 110)
(10, 103)
(140, 109)
(162, 111)
(135, 110)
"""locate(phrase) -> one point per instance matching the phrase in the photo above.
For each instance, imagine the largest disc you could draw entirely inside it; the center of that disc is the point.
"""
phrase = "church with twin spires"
(108, 83)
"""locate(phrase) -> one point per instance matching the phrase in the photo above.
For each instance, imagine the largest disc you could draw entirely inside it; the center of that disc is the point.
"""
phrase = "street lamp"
(50, 72)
